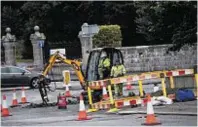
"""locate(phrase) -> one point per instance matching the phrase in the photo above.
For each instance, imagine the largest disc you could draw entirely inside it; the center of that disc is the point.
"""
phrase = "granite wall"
(152, 58)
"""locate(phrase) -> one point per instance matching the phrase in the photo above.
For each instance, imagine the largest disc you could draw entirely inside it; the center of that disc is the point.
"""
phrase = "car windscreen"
(5, 70)
(16, 70)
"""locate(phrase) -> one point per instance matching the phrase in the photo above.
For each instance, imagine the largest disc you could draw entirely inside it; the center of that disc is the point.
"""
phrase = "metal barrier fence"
(166, 78)
(187, 81)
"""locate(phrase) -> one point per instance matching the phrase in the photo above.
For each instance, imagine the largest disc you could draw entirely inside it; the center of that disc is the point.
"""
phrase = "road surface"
(52, 116)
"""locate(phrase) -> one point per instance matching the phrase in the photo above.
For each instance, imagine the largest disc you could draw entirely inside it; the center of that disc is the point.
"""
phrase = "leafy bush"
(108, 36)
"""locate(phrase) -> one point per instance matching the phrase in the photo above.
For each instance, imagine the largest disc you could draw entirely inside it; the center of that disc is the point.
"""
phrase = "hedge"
(108, 36)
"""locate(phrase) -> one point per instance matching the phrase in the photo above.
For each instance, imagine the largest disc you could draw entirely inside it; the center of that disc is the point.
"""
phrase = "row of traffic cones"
(23, 98)
(4, 106)
(82, 115)
(150, 118)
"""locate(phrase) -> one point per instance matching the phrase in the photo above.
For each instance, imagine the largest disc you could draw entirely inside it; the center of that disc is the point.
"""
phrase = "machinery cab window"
(96, 56)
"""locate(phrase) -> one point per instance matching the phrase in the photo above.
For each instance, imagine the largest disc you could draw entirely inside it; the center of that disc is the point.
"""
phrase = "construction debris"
(161, 100)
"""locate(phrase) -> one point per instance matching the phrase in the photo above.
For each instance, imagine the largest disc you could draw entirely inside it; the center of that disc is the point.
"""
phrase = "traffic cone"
(23, 97)
(104, 93)
(14, 100)
(129, 87)
(142, 103)
(150, 118)
(82, 115)
(67, 91)
(5, 111)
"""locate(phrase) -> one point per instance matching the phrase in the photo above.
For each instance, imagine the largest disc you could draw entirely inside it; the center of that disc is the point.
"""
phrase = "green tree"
(108, 36)
(10, 18)
(141, 23)
(165, 22)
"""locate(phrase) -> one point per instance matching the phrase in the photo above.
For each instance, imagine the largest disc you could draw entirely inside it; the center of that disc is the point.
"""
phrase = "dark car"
(16, 76)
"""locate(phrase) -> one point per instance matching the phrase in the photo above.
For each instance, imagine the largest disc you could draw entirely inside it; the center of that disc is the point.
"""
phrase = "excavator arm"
(43, 84)
(74, 63)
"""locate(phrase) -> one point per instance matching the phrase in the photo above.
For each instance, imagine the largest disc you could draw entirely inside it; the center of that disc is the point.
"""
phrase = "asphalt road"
(52, 116)
(33, 95)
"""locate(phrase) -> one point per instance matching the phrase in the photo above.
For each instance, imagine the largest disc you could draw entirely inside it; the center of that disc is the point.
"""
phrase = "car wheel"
(34, 83)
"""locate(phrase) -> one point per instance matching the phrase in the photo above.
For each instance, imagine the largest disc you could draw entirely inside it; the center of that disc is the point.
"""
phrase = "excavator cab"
(92, 73)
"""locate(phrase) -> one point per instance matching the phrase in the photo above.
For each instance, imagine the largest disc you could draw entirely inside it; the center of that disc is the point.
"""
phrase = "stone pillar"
(38, 40)
(9, 45)
(85, 35)
(86, 45)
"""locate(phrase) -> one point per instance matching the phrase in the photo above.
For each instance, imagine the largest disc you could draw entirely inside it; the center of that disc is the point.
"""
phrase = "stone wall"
(150, 58)
(156, 57)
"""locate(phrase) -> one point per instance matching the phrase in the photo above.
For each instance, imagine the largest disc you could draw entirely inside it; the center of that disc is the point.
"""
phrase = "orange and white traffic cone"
(150, 118)
(142, 103)
(5, 111)
(129, 87)
(67, 91)
(104, 93)
(14, 100)
(82, 115)
(23, 97)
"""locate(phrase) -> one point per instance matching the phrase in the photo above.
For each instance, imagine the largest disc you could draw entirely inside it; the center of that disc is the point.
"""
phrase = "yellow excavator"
(91, 73)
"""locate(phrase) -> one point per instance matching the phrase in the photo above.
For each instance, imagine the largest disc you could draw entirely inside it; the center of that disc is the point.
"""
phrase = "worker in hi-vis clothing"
(104, 72)
(104, 66)
(117, 71)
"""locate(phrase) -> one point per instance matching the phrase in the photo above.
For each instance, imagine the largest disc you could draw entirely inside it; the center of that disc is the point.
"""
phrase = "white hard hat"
(36, 28)
(103, 54)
